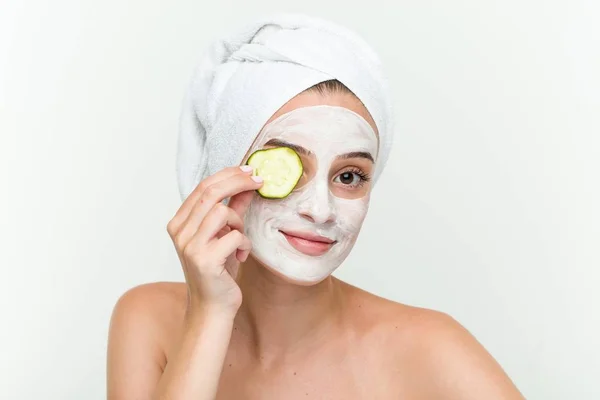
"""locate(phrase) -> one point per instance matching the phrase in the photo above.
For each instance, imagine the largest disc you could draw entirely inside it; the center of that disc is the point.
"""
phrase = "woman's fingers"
(176, 223)
(211, 196)
(224, 230)
(218, 218)
(234, 241)
(213, 179)
(240, 202)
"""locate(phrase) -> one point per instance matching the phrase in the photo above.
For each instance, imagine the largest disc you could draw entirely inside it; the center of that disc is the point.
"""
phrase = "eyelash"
(364, 177)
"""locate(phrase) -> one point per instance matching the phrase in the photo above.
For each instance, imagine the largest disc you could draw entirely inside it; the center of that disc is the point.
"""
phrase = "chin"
(295, 280)
(290, 274)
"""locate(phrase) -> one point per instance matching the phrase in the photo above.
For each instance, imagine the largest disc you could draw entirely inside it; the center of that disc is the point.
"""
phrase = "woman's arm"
(210, 243)
(136, 354)
(195, 369)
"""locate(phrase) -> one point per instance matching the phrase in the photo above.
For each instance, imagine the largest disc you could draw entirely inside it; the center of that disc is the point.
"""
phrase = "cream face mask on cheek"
(308, 234)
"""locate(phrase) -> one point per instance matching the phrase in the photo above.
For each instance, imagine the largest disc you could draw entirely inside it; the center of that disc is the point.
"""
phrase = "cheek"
(264, 211)
(351, 213)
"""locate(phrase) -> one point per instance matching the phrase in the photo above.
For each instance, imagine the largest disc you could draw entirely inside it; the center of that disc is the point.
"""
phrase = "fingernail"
(246, 168)
(257, 179)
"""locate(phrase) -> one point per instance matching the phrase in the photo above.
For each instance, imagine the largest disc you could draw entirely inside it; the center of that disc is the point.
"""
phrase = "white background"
(488, 210)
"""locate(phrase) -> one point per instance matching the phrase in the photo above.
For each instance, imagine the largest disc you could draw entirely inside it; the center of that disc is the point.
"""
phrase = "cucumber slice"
(280, 168)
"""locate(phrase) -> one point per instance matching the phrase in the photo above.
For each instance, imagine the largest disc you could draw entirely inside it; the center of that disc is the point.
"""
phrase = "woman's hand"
(210, 241)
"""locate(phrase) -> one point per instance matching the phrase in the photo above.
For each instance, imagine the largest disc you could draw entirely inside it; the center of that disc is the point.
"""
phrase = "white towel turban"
(243, 79)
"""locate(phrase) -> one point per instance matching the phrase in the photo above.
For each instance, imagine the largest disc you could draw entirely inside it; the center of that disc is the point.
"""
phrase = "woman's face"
(307, 235)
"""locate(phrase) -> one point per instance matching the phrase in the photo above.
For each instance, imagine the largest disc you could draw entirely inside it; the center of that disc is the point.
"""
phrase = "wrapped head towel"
(243, 79)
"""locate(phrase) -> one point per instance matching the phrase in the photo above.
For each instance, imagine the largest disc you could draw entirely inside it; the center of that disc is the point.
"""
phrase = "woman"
(260, 316)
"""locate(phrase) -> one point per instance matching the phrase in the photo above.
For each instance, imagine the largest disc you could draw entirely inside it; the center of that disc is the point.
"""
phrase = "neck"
(278, 317)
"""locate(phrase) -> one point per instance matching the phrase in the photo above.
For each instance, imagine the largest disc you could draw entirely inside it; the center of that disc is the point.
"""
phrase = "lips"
(308, 243)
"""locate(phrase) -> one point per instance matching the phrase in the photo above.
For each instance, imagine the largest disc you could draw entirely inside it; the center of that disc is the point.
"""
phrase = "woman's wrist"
(197, 317)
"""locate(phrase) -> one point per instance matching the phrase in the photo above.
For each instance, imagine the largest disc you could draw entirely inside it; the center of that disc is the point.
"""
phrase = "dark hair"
(331, 86)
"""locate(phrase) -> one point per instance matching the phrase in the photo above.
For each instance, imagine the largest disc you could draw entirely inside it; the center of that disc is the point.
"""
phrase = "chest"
(313, 377)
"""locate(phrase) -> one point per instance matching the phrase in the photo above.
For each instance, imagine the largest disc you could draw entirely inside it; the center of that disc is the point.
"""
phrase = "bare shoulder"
(433, 348)
(157, 307)
(144, 322)
(160, 296)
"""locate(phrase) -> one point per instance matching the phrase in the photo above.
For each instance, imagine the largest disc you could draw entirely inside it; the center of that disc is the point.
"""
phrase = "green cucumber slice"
(280, 168)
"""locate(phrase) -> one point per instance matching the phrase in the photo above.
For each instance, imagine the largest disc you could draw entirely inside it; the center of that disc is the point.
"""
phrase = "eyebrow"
(358, 154)
(281, 143)
(301, 150)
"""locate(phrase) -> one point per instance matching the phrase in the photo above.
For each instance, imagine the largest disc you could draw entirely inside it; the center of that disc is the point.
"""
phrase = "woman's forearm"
(195, 369)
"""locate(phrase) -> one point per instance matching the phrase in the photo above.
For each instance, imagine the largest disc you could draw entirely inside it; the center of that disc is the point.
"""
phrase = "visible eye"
(352, 178)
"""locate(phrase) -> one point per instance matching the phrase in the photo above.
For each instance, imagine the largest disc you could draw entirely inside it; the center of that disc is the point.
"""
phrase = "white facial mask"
(328, 132)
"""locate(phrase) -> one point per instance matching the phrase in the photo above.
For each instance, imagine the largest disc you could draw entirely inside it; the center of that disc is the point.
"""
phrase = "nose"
(317, 206)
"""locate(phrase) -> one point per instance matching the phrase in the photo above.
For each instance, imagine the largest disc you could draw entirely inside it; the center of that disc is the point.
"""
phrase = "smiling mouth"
(308, 243)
